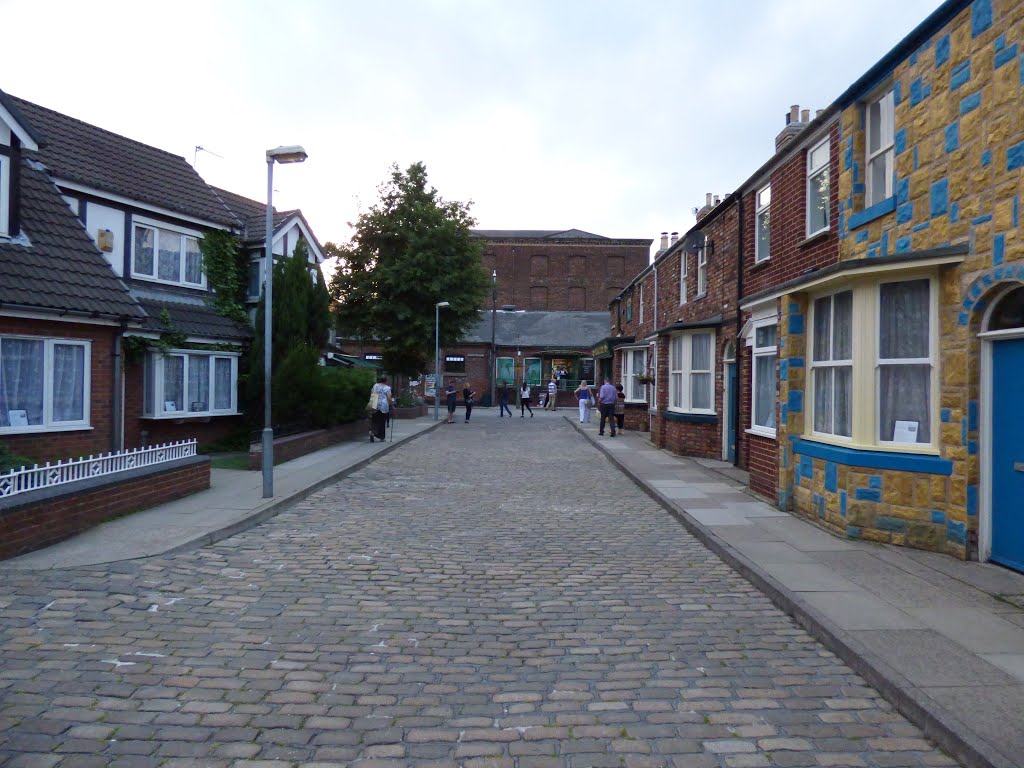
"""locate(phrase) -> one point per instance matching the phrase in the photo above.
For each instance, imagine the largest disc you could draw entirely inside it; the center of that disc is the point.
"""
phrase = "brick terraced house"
(880, 279)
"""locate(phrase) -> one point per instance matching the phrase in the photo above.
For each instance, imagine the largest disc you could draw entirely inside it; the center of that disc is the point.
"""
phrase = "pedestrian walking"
(450, 396)
(585, 399)
(503, 400)
(552, 400)
(381, 409)
(606, 398)
(469, 399)
(524, 401)
(620, 405)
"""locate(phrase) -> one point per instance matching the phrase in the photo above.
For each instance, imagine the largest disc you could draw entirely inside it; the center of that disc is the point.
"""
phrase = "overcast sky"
(611, 117)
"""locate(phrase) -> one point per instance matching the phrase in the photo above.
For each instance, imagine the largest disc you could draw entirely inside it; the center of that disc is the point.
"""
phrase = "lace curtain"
(222, 383)
(21, 382)
(68, 382)
(198, 383)
(700, 375)
(904, 371)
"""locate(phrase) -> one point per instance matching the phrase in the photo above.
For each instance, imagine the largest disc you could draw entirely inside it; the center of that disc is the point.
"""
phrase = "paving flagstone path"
(492, 594)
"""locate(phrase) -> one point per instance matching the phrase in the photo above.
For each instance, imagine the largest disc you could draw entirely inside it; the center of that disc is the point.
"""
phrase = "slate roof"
(78, 152)
(562, 330)
(535, 234)
(192, 319)
(57, 267)
(253, 215)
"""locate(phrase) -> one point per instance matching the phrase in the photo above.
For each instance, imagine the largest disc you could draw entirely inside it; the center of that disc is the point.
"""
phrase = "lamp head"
(442, 304)
(289, 154)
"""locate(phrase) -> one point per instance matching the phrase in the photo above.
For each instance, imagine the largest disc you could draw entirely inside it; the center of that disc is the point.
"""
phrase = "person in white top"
(524, 401)
(379, 417)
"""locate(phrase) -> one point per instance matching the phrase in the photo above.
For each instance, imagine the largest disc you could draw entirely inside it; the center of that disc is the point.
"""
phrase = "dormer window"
(5, 195)
(167, 254)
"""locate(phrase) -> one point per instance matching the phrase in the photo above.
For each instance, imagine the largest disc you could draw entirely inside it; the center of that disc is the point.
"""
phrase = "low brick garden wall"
(37, 519)
(292, 446)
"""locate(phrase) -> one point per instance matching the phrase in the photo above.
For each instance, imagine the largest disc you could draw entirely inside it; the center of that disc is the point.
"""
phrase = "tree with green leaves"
(410, 251)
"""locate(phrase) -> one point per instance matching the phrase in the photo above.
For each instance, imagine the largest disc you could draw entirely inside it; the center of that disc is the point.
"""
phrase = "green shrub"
(344, 394)
(297, 388)
(9, 461)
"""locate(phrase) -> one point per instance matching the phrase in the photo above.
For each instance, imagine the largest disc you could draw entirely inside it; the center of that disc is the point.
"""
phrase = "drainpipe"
(117, 394)
(739, 327)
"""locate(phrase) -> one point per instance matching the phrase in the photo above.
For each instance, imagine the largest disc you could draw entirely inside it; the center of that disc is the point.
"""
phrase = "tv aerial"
(697, 240)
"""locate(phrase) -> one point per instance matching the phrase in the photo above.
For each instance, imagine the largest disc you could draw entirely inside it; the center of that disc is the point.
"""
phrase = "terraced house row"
(848, 324)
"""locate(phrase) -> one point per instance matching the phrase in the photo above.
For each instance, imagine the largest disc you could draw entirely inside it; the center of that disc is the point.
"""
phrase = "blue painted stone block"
(960, 75)
(905, 213)
(972, 447)
(945, 414)
(783, 412)
(998, 274)
(975, 291)
(796, 401)
(939, 197)
(954, 212)
(963, 318)
(915, 157)
(1006, 56)
(972, 415)
(783, 500)
(1000, 43)
(998, 249)
(796, 323)
(970, 103)
(941, 50)
(893, 524)
(956, 532)
(915, 92)
(902, 245)
(794, 308)
(861, 236)
(981, 16)
(867, 494)
(875, 481)
(913, 58)
(1015, 157)
(982, 219)
(953, 136)
(927, 90)
(938, 516)
(831, 476)
(986, 158)
(842, 503)
(897, 93)
(852, 532)
(1016, 210)
(963, 431)
(902, 191)
(783, 370)
(847, 158)
(806, 467)
(796, 362)
(900, 141)
(920, 227)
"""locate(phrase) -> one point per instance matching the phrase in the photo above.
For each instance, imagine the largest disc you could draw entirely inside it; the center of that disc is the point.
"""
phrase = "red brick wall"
(562, 275)
(292, 446)
(34, 525)
(50, 446)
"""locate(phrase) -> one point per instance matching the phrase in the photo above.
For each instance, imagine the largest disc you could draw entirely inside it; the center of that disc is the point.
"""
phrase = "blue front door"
(730, 437)
(1008, 453)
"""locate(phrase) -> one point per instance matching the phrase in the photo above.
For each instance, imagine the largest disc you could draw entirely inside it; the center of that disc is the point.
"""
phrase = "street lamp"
(494, 315)
(437, 353)
(283, 155)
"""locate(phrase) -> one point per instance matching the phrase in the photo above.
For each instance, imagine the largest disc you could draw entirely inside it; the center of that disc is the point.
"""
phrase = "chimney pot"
(794, 113)
(707, 199)
(817, 112)
(805, 116)
(717, 199)
(664, 240)
(675, 236)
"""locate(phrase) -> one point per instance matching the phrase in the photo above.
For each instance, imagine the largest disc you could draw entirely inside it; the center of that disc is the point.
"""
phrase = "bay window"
(167, 255)
(691, 362)
(765, 354)
(634, 363)
(876, 388)
(190, 383)
(817, 189)
(880, 126)
(44, 384)
(762, 220)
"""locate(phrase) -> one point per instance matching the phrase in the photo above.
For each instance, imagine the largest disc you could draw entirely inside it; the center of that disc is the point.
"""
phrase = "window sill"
(873, 458)
(876, 211)
(36, 429)
(811, 239)
(761, 263)
(176, 284)
(762, 432)
(182, 416)
(690, 418)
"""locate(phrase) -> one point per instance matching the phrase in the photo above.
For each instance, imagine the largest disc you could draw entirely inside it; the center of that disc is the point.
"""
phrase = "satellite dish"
(694, 241)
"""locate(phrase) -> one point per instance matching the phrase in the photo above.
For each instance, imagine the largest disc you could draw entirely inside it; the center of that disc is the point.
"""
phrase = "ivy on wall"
(226, 267)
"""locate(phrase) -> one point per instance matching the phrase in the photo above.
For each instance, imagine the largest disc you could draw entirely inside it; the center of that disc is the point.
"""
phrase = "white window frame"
(184, 233)
(640, 314)
(812, 173)
(629, 372)
(681, 372)
(154, 402)
(702, 271)
(832, 362)
(762, 202)
(49, 425)
(5, 195)
(652, 366)
(258, 261)
(887, 120)
(756, 352)
(930, 360)
(683, 298)
(454, 359)
(866, 406)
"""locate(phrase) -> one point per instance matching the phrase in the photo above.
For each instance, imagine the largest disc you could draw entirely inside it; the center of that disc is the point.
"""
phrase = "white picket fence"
(48, 475)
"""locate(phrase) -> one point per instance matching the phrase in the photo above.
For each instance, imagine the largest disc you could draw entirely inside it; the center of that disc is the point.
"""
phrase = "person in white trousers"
(583, 395)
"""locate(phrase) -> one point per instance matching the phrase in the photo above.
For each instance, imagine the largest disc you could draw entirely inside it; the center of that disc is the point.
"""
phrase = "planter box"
(412, 412)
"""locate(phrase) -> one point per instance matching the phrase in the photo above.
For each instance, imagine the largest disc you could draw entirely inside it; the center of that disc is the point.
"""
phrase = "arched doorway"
(1002, 470)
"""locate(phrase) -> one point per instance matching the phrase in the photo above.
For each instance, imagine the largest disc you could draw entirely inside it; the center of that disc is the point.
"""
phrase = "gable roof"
(253, 215)
(75, 151)
(561, 329)
(194, 319)
(54, 266)
(10, 114)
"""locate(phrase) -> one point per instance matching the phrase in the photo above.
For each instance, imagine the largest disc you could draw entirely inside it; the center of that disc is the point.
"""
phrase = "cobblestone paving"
(525, 606)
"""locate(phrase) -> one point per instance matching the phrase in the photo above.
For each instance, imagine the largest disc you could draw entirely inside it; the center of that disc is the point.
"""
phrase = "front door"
(730, 434)
(1008, 453)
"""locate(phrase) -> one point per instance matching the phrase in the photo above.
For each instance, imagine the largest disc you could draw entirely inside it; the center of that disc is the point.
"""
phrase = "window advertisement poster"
(430, 385)
(587, 369)
(505, 371)
(531, 371)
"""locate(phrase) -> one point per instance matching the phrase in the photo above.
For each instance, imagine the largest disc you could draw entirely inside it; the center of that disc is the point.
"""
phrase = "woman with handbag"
(380, 407)
(586, 399)
(469, 398)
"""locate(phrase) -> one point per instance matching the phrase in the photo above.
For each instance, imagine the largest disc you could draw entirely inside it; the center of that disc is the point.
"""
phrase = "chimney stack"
(664, 241)
(717, 200)
(817, 113)
(794, 124)
(675, 236)
(707, 199)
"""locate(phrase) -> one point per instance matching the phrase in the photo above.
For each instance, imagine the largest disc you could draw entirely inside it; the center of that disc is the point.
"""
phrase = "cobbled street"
(491, 594)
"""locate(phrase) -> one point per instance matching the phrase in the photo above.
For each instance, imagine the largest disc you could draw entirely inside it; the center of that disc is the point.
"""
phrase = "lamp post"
(283, 155)
(494, 315)
(437, 353)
